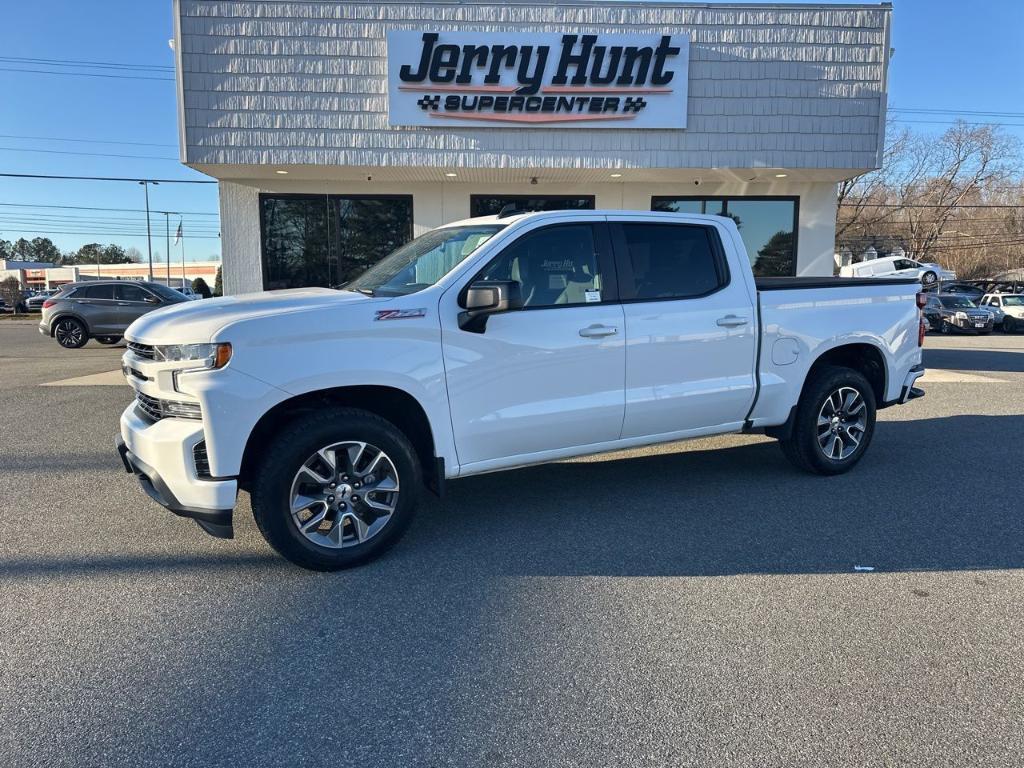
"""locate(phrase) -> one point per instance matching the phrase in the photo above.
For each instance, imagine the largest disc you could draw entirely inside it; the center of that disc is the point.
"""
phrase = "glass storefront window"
(490, 205)
(768, 226)
(326, 240)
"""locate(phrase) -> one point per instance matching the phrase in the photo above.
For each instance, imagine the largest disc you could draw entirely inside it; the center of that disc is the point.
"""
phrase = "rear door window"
(669, 261)
(96, 292)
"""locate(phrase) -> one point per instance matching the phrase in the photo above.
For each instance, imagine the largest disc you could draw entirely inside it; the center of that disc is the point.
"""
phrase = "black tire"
(1009, 324)
(945, 327)
(802, 448)
(286, 454)
(929, 278)
(70, 333)
(108, 339)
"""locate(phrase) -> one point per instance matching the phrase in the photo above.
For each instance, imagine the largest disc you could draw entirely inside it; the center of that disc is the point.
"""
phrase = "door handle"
(123, 304)
(731, 321)
(598, 331)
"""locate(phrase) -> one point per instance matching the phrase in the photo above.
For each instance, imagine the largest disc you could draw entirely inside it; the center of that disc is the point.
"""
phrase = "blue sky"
(949, 56)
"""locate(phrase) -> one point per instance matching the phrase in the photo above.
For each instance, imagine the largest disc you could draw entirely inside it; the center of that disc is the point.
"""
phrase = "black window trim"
(592, 199)
(327, 197)
(795, 199)
(625, 266)
(605, 260)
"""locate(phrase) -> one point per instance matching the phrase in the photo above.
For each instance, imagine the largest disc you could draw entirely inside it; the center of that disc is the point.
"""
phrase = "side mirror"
(485, 298)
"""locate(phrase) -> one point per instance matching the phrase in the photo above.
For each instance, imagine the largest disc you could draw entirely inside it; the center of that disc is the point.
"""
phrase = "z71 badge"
(400, 314)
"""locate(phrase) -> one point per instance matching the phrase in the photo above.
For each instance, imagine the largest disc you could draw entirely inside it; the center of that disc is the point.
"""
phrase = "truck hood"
(192, 322)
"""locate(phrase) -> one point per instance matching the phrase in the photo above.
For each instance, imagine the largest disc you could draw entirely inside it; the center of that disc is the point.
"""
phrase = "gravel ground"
(690, 604)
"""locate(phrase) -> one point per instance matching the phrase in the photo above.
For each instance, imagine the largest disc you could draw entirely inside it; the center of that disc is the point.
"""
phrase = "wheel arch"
(64, 315)
(860, 356)
(391, 403)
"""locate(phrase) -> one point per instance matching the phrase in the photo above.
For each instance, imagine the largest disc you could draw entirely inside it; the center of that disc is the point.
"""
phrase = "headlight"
(961, 315)
(207, 355)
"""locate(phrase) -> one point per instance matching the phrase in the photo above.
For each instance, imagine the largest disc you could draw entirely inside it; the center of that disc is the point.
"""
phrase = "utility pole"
(149, 235)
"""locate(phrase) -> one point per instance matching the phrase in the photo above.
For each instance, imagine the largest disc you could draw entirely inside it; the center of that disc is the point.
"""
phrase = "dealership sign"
(542, 80)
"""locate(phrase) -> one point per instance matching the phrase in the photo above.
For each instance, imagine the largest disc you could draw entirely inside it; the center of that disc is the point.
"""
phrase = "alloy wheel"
(68, 333)
(842, 422)
(344, 494)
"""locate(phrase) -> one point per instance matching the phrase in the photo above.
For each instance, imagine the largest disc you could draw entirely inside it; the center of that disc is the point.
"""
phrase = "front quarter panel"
(306, 352)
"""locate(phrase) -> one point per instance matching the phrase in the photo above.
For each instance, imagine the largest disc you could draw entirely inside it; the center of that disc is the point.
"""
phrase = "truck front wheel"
(834, 422)
(336, 488)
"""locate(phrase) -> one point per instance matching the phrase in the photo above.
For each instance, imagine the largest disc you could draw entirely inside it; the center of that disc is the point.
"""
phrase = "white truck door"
(550, 375)
(690, 328)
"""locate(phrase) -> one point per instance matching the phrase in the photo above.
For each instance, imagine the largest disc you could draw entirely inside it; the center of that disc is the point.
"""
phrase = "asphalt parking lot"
(695, 604)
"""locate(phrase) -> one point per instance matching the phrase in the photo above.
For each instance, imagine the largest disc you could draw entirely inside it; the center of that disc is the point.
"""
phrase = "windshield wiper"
(364, 291)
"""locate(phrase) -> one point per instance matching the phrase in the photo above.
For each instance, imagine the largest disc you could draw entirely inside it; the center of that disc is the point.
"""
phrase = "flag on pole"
(177, 236)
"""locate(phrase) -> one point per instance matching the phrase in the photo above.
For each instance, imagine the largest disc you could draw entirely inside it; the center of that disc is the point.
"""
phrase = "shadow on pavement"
(974, 360)
(699, 512)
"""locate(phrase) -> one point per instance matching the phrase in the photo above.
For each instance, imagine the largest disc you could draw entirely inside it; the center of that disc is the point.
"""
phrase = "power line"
(87, 154)
(90, 208)
(79, 62)
(106, 178)
(86, 74)
(923, 111)
(85, 141)
(93, 233)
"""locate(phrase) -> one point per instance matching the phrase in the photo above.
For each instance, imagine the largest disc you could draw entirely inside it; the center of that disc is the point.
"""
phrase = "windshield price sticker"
(591, 297)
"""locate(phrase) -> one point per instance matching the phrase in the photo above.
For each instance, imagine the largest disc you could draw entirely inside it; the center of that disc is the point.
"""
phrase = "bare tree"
(933, 197)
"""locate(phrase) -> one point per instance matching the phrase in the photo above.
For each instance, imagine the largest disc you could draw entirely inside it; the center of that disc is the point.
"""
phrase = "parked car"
(892, 266)
(1011, 305)
(946, 314)
(35, 302)
(494, 343)
(969, 290)
(101, 309)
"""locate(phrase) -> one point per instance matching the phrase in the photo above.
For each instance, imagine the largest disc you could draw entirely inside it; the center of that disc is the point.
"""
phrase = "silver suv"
(101, 309)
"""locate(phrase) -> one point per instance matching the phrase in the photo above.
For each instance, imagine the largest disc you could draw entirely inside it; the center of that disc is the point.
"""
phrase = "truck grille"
(155, 409)
(149, 406)
(144, 351)
(202, 461)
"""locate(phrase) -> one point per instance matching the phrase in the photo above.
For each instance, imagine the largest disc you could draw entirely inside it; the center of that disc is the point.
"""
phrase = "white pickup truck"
(494, 343)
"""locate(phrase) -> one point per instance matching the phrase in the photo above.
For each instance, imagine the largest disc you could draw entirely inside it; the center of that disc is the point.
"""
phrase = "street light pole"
(167, 234)
(149, 235)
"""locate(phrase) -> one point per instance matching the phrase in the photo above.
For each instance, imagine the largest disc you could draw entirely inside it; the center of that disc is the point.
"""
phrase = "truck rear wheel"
(834, 422)
(336, 489)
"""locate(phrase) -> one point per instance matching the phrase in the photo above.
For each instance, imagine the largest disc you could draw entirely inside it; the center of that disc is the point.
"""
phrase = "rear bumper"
(160, 455)
(909, 391)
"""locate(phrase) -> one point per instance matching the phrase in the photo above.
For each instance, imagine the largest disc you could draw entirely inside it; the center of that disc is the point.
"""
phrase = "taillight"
(920, 332)
(922, 299)
(48, 303)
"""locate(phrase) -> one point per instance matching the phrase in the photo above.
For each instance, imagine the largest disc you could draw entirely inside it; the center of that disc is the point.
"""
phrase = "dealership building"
(339, 130)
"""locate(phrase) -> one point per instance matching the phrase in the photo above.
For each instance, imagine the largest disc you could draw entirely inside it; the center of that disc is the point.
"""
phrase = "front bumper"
(160, 454)
(970, 325)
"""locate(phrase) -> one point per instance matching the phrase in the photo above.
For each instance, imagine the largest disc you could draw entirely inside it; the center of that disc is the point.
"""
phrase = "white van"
(898, 266)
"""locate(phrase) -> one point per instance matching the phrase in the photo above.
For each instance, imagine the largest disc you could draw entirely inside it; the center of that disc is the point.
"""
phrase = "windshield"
(422, 262)
(1013, 301)
(956, 302)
